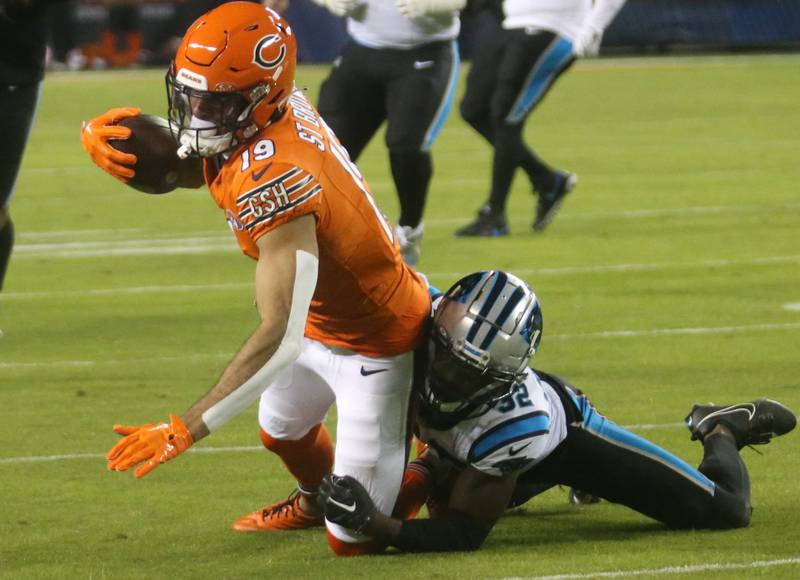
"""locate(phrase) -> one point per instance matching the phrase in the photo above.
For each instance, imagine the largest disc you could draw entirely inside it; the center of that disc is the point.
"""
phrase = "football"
(158, 167)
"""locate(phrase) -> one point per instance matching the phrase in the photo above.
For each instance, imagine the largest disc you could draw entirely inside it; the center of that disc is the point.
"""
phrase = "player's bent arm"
(286, 276)
(191, 173)
(476, 503)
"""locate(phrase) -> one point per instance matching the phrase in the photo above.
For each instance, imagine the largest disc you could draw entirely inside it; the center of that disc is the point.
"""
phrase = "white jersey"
(564, 17)
(520, 431)
(378, 24)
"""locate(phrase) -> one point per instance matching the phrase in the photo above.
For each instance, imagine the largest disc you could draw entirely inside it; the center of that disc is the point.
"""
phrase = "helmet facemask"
(485, 331)
(209, 123)
(232, 76)
(458, 387)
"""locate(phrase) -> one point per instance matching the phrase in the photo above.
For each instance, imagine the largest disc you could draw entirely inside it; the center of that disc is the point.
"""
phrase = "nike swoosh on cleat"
(512, 451)
(728, 410)
(344, 506)
(366, 372)
(256, 175)
(421, 64)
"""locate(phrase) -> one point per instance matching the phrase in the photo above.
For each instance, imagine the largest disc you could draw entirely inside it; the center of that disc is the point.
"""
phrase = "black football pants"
(19, 101)
(605, 460)
(510, 75)
(412, 90)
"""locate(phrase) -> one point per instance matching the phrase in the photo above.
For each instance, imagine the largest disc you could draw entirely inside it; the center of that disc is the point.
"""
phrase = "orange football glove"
(95, 135)
(151, 444)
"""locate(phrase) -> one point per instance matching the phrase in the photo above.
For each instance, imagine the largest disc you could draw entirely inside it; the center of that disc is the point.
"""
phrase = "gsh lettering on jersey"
(367, 300)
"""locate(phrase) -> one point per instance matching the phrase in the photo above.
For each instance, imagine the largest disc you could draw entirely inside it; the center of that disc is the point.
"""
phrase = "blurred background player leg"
(419, 99)
(509, 78)
(61, 30)
(476, 109)
(21, 99)
(351, 99)
(501, 92)
(367, 86)
(397, 69)
(22, 24)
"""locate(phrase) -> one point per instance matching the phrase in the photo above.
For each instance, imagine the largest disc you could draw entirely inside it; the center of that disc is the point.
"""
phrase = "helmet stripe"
(499, 284)
(518, 294)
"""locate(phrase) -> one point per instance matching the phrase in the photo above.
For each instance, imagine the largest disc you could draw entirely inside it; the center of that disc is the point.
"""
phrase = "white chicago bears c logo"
(269, 52)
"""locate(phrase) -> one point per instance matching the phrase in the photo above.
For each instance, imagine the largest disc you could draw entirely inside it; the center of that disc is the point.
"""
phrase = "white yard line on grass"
(206, 244)
(604, 334)
(679, 331)
(608, 268)
(669, 570)
(136, 361)
(194, 288)
(637, 267)
(61, 234)
(72, 244)
(237, 449)
(437, 222)
(71, 456)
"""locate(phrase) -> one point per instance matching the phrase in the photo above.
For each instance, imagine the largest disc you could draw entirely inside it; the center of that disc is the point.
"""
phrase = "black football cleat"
(550, 201)
(753, 423)
(489, 224)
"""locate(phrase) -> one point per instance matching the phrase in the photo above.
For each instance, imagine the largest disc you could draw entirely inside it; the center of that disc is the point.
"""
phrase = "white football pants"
(371, 397)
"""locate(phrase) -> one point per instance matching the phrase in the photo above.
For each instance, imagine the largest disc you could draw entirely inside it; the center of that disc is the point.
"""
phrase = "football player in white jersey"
(510, 432)
(401, 67)
(510, 75)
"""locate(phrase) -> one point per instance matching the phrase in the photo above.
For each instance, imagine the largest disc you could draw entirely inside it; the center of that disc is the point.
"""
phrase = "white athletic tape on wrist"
(305, 281)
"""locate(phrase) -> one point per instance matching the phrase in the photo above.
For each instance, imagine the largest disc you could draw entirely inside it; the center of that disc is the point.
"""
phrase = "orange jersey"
(367, 299)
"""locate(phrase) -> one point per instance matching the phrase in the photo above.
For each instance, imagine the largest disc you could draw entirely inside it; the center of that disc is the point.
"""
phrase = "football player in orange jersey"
(340, 311)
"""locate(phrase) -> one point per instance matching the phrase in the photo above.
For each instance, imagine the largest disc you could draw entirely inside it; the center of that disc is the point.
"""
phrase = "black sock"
(6, 243)
(541, 175)
(723, 465)
(507, 147)
(412, 171)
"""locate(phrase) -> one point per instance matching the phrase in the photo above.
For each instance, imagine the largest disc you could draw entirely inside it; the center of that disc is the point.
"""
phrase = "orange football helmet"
(232, 75)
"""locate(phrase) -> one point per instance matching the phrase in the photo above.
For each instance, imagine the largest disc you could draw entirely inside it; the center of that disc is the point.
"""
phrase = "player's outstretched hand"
(149, 444)
(346, 502)
(95, 135)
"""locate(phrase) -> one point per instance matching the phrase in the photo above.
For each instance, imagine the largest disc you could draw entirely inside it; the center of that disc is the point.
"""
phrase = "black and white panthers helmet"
(485, 331)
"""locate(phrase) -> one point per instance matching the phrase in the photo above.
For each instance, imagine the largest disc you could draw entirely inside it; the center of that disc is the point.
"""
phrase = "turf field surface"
(670, 276)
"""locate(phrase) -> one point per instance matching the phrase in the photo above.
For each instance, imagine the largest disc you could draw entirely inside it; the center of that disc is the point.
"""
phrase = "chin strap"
(185, 150)
(192, 142)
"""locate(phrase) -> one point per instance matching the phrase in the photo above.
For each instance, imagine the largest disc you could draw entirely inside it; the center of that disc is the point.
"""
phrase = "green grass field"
(668, 278)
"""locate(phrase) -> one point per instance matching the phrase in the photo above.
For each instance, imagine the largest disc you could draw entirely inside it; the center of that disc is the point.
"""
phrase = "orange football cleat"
(282, 516)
